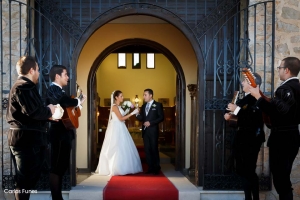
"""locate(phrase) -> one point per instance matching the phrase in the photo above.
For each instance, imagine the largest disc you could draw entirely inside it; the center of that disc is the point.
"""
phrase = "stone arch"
(166, 15)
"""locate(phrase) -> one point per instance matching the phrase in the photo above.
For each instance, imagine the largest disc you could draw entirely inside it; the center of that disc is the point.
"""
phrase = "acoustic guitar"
(71, 115)
(250, 78)
(233, 118)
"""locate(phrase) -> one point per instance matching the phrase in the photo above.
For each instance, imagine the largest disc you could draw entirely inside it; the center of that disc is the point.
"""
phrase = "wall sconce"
(136, 101)
(98, 113)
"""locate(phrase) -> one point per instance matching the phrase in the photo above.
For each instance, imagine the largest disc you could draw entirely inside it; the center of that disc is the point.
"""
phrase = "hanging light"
(136, 101)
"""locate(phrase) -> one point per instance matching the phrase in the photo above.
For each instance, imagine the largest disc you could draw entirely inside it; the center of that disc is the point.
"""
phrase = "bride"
(118, 155)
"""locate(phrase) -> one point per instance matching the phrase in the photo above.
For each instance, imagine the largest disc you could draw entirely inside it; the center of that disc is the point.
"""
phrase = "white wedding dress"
(118, 155)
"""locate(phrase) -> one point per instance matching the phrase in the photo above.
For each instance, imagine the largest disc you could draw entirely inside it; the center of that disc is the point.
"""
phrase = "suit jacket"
(250, 123)
(55, 95)
(27, 113)
(283, 110)
(155, 116)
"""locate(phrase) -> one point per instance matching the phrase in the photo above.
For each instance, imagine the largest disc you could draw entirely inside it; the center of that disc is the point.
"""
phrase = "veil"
(111, 105)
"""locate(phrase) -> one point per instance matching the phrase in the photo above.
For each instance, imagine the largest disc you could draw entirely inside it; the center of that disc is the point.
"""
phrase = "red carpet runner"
(140, 186)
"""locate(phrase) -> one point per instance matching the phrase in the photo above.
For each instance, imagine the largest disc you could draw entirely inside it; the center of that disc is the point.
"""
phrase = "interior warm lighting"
(98, 113)
(136, 101)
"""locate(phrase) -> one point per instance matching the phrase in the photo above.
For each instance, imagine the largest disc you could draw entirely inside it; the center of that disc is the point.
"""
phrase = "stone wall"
(287, 43)
(11, 54)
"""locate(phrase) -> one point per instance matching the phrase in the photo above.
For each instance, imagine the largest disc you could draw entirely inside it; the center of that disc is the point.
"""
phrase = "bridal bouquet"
(126, 106)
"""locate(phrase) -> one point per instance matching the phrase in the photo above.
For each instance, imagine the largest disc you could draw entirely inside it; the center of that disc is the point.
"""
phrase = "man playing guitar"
(60, 137)
(248, 139)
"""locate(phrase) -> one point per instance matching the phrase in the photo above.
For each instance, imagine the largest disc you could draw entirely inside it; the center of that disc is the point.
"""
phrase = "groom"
(151, 115)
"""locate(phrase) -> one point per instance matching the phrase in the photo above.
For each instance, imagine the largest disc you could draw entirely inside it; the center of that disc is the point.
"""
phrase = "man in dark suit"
(284, 139)
(151, 115)
(27, 117)
(248, 139)
(60, 137)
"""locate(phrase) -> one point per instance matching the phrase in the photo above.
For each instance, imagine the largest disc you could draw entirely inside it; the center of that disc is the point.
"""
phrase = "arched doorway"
(180, 94)
(194, 51)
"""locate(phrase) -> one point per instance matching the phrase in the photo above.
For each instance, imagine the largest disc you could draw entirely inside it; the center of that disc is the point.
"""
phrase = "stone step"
(221, 195)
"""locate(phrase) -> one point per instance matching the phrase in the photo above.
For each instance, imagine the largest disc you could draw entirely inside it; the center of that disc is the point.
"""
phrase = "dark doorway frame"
(180, 103)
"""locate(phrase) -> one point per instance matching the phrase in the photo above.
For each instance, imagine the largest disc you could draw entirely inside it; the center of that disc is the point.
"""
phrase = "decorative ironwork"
(232, 182)
(222, 182)
(8, 182)
(65, 22)
(4, 103)
(140, 7)
(216, 104)
(212, 19)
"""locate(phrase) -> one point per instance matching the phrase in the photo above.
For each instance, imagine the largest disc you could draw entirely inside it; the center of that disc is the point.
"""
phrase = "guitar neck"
(263, 96)
(235, 97)
(80, 97)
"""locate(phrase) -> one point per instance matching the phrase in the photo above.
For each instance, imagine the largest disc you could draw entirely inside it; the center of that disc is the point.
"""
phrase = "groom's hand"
(147, 123)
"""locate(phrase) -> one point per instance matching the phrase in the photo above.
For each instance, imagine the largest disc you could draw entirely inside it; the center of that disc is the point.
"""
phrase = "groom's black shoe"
(156, 172)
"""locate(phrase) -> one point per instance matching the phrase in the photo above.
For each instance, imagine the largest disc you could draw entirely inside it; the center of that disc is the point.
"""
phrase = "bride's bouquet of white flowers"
(126, 106)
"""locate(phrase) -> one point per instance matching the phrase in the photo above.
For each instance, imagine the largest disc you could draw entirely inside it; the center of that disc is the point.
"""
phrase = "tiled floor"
(82, 176)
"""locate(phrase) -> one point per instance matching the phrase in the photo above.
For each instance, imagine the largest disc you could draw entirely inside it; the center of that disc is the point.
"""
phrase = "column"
(193, 94)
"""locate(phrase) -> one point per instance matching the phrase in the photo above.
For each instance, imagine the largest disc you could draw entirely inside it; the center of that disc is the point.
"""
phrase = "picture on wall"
(107, 102)
(126, 99)
(164, 101)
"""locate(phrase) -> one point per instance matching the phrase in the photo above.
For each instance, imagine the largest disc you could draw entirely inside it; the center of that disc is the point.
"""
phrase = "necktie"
(147, 108)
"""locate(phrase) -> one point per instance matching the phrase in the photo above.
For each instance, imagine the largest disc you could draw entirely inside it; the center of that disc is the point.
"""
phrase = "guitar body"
(251, 80)
(233, 121)
(70, 117)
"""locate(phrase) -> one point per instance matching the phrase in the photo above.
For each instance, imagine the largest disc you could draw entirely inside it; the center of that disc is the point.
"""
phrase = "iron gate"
(23, 34)
(238, 40)
(226, 33)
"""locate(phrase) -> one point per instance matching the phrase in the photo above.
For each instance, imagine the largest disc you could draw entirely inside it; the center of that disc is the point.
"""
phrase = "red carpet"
(140, 186)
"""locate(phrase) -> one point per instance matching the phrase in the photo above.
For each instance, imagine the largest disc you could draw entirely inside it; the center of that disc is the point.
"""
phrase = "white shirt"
(236, 111)
(150, 103)
(288, 80)
(56, 85)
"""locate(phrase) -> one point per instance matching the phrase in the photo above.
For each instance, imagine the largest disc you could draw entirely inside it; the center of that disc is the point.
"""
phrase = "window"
(150, 61)
(136, 61)
(121, 60)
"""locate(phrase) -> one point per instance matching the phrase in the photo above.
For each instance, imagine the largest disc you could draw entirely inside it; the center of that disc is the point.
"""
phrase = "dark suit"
(150, 134)
(284, 139)
(247, 143)
(27, 117)
(61, 141)
(60, 137)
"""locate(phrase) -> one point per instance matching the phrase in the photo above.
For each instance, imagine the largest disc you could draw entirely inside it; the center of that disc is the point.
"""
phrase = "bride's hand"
(136, 111)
